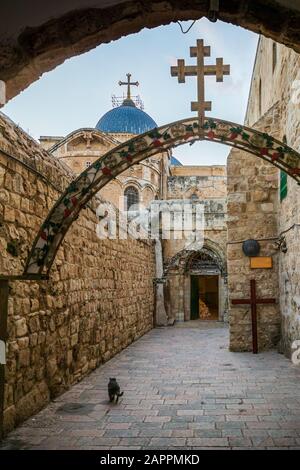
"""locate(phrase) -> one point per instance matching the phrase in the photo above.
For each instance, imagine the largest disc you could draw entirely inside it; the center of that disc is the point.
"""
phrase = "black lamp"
(251, 247)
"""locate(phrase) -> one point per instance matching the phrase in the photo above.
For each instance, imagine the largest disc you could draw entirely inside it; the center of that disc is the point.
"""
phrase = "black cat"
(114, 390)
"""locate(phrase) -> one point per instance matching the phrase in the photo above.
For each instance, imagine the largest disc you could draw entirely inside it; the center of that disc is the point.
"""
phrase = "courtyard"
(183, 389)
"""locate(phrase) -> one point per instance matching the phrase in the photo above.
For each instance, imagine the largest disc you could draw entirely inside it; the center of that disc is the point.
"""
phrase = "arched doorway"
(196, 284)
(206, 287)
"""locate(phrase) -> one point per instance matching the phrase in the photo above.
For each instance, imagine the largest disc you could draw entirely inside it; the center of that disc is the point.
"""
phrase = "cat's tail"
(120, 394)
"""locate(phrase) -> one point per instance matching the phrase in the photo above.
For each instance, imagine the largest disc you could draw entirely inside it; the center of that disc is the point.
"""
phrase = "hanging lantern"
(251, 247)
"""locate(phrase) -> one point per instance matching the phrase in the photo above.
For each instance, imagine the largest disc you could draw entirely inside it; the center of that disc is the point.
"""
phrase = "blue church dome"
(127, 119)
(175, 162)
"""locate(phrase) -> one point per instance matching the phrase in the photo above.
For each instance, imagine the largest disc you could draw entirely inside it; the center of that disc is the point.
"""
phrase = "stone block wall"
(280, 84)
(209, 184)
(205, 182)
(253, 213)
(289, 214)
(99, 297)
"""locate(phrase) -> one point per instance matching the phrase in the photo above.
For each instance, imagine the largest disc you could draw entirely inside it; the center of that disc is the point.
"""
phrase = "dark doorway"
(194, 297)
(205, 297)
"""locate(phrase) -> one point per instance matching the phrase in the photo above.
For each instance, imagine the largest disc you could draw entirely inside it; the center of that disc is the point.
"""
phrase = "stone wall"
(253, 213)
(203, 181)
(99, 297)
(209, 185)
(281, 85)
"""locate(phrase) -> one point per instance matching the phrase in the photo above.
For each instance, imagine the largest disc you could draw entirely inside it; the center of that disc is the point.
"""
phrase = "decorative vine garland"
(107, 167)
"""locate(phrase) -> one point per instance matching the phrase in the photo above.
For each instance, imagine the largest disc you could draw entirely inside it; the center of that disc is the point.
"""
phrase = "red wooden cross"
(253, 301)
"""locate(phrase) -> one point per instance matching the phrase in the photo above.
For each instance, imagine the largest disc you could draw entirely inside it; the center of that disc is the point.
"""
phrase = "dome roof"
(175, 162)
(127, 119)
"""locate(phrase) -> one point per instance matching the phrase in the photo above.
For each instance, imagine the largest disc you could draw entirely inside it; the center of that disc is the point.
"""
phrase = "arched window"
(132, 198)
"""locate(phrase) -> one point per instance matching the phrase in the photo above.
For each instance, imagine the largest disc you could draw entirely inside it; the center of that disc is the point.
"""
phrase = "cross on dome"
(128, 84)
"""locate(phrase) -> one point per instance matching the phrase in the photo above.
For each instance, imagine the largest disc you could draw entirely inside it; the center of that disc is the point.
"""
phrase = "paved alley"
(183, 389)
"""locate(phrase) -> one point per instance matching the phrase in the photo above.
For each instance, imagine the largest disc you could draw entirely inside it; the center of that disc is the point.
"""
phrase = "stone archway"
(208, 261)
(114, 162)
(41, 37)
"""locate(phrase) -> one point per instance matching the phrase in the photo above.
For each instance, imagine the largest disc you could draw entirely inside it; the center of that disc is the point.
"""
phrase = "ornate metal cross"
(253, 301)
(200, 71)
(129, 84)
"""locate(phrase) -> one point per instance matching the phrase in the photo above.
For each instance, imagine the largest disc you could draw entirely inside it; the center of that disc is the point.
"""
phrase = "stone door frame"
(187, 305)
(222, 293)
(179, 265)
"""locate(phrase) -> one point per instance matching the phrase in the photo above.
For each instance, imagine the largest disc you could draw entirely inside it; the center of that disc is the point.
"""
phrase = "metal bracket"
(159, 280)
(281, 245)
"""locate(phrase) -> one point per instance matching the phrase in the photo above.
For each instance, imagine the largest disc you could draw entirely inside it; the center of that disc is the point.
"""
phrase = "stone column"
(161, 314)
(187, 297)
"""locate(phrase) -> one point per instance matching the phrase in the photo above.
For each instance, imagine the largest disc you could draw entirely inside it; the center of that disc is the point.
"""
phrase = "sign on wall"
(261, 262)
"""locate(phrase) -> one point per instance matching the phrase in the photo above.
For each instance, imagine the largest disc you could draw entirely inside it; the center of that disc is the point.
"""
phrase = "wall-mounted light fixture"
(251, 247)
(281, 245)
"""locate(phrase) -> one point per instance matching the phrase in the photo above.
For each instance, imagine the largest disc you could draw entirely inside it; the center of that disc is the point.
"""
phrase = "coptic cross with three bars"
(200, 71)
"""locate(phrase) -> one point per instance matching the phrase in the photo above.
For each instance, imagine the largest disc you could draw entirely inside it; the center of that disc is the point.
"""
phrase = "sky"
(78, 92)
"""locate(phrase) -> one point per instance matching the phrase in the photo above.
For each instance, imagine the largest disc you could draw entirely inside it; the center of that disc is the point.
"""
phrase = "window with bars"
(283, 185)
(132, 198)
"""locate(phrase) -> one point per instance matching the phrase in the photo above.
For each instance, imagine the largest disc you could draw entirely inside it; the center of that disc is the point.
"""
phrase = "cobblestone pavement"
(183, 390)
